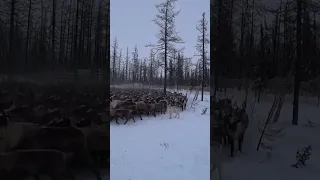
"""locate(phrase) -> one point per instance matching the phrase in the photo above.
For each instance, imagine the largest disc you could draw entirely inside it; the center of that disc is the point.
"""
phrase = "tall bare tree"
(297, 67)
(203, 40)
(167, 35)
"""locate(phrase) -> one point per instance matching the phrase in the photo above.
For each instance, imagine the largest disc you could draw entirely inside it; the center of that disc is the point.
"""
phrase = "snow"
(253, 165)
(161, 148)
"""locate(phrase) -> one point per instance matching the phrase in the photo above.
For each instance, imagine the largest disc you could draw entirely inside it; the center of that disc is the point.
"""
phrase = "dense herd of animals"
(58, 131)
(54, 131)
(229, 124)
(130, 103)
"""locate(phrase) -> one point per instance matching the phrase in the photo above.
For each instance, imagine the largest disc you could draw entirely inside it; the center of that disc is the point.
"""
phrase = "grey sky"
(131, 22)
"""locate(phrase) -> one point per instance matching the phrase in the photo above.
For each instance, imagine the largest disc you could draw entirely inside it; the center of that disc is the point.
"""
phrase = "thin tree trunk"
(203, 54)
(27, 42)
(53, 32)
(297, 67)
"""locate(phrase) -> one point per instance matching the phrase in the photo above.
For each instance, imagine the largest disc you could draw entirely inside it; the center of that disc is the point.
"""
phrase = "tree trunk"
(297, 67)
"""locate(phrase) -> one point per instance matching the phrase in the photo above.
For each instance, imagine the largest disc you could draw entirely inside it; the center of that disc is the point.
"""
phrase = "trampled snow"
(161, 148)
(253, 165)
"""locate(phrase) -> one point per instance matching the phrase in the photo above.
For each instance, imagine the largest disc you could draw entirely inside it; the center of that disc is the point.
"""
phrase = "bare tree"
(203, 40)
(28, 34)
(53, 32)
(114, 58)
(34, 41)
(297, 68)
(127, 63)
(167, 35)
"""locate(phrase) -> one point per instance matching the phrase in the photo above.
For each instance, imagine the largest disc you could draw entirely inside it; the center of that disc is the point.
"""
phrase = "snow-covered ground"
(161, 148)
(253, 165)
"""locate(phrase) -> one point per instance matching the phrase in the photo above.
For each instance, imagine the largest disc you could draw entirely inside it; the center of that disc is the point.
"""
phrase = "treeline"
(166, 65)
(42, 35)
(250, 39)
(128, 67)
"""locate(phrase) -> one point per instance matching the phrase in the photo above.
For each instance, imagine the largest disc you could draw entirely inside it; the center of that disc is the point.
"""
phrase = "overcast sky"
(131, 22)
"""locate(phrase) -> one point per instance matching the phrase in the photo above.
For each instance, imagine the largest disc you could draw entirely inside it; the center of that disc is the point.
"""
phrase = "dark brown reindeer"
(232, 121)
(237, 124)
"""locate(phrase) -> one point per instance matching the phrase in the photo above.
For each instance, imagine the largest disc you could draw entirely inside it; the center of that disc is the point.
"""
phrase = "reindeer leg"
(231, 141)
(126, 120)
(117, 120)
(133, 119)
(138, 113)
(224, 140)
(240, 139)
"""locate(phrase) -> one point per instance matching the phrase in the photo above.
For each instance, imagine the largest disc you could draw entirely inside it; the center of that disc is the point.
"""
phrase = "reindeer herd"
(58, 131)
(229, 125)
(53, 131)
(130, 103)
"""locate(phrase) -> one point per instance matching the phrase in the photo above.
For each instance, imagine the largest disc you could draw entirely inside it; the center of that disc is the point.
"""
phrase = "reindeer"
(237, 126)
(48, 122)
(19, 164)
(146, 101)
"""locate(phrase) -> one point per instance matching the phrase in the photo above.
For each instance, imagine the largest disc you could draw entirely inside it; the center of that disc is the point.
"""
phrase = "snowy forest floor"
(253, 165)
(161, 148)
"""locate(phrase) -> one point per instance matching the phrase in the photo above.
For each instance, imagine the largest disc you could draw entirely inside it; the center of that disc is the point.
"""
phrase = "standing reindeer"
(232, 121)
(237, 126)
